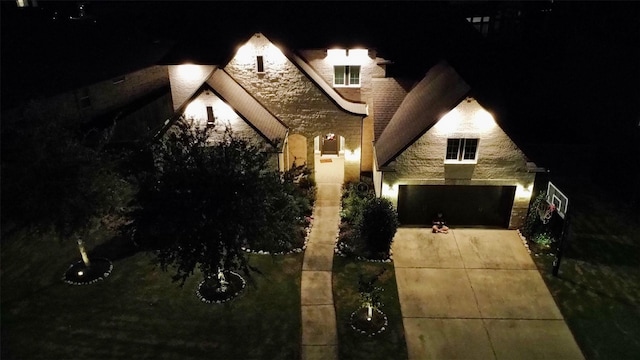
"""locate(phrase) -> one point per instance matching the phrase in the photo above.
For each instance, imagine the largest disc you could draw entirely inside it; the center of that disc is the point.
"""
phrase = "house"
(429, 145)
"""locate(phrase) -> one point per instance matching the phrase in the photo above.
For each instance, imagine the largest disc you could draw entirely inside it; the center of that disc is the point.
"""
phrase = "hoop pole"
(562, 244)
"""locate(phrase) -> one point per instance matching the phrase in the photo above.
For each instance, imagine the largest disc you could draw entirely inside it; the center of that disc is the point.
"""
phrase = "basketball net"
(545, 211)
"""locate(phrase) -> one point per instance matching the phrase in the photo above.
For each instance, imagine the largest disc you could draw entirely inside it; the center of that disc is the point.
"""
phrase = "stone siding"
(291, 96)
(499, 161)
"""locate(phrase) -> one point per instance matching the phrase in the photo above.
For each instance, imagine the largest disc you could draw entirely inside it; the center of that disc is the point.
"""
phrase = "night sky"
(572, 79)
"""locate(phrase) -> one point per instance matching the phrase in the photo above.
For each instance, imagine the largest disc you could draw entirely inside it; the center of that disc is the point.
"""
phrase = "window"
(346, 75)
(462, 150)
(211, 120)
(260, 63)
(481, 23)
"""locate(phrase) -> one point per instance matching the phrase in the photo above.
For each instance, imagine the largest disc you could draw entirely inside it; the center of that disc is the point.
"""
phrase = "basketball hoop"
(545, 211)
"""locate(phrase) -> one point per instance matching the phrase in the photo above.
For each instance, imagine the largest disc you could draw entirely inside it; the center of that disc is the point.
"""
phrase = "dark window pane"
(260, 63)
(354, 75)
(452, 149)
(470, 149)
(338, 75)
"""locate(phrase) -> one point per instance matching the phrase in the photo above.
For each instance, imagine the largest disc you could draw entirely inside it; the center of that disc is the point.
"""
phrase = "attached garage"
(462, 205)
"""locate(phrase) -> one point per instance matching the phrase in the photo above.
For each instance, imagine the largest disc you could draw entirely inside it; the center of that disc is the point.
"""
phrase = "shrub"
(378, 225)
(543, 239)
(532, 223)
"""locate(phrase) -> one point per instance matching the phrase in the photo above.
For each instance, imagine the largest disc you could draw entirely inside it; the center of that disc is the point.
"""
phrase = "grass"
(137, 312)
(598, 288)
(389, 344)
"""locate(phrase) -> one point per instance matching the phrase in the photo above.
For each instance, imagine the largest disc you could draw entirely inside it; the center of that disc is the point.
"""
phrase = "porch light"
(352, 155)
(390, 191)
(523, 192)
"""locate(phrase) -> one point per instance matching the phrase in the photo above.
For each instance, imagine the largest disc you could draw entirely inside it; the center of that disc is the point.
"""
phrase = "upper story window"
(481, 23)
(260, 64)
(346, 75)
(462, 150)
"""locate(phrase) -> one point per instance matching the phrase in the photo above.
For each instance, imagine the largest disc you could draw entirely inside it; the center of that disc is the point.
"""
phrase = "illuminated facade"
(417, 139)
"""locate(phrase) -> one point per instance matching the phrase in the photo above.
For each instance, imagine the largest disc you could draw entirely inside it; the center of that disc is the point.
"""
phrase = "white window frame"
(461, 152)
(347, 76)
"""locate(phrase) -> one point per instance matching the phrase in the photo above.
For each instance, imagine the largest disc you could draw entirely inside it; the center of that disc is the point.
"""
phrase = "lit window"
(346, 75)
(462, 149)
(260, 63)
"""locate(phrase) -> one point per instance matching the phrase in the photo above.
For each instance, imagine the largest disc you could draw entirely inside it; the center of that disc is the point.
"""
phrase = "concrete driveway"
(476, 294)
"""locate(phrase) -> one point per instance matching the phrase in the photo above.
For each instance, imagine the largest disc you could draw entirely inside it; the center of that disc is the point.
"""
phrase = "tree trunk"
(83, 252)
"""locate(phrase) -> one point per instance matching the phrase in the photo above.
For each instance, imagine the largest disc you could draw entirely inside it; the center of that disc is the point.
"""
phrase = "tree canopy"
(55, 176)
(204, 200)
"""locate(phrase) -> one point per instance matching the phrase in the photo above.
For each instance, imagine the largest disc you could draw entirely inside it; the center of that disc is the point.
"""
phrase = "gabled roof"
(247, 106)
(352, 107)
(388, 94)
(436, 94)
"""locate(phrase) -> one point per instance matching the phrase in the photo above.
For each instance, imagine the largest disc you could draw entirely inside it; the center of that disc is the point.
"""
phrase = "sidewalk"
(319, 332)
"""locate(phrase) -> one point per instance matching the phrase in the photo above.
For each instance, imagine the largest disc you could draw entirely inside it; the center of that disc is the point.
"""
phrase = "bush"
(378, 225)
(543, 239)
(353, 202)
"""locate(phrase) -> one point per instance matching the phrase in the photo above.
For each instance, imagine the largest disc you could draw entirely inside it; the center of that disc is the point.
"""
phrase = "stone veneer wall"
(370, 69)
(500, 162)
(295, 99)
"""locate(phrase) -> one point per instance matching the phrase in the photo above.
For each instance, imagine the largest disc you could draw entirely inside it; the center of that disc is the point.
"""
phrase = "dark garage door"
(462, 205)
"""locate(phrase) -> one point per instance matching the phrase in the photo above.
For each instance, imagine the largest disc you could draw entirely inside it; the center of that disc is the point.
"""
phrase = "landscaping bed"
(353, 344)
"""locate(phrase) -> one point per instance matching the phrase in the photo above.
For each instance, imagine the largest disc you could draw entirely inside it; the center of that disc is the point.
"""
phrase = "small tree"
(370, 293)
(378, 225)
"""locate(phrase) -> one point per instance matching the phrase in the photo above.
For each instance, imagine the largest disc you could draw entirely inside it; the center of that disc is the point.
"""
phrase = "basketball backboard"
(557, 198)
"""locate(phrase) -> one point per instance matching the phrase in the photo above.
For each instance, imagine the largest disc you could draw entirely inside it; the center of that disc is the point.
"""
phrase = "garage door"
(461, 205)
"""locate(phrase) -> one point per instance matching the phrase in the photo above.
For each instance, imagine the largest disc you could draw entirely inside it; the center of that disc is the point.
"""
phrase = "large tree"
(206, 199)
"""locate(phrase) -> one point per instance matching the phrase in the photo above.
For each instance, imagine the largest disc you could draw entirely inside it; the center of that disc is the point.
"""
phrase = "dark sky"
(578, 72)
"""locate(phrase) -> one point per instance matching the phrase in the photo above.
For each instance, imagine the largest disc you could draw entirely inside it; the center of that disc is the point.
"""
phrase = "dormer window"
(260, 64)
(462, 150)
(346, 75)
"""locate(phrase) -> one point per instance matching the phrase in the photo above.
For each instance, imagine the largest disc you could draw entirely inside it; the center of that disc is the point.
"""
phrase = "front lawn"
(138, 313)
(598, 288)
(390, 344)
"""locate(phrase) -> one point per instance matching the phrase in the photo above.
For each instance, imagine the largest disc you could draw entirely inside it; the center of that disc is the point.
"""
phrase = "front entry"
(329, 159)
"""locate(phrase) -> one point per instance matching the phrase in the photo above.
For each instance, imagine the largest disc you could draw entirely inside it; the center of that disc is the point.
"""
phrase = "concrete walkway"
(476, 294)
(319, 332)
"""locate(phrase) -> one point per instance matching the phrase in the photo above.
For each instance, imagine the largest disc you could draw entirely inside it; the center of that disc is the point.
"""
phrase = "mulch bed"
(375, 326)
(209, 289)
(79, 274)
